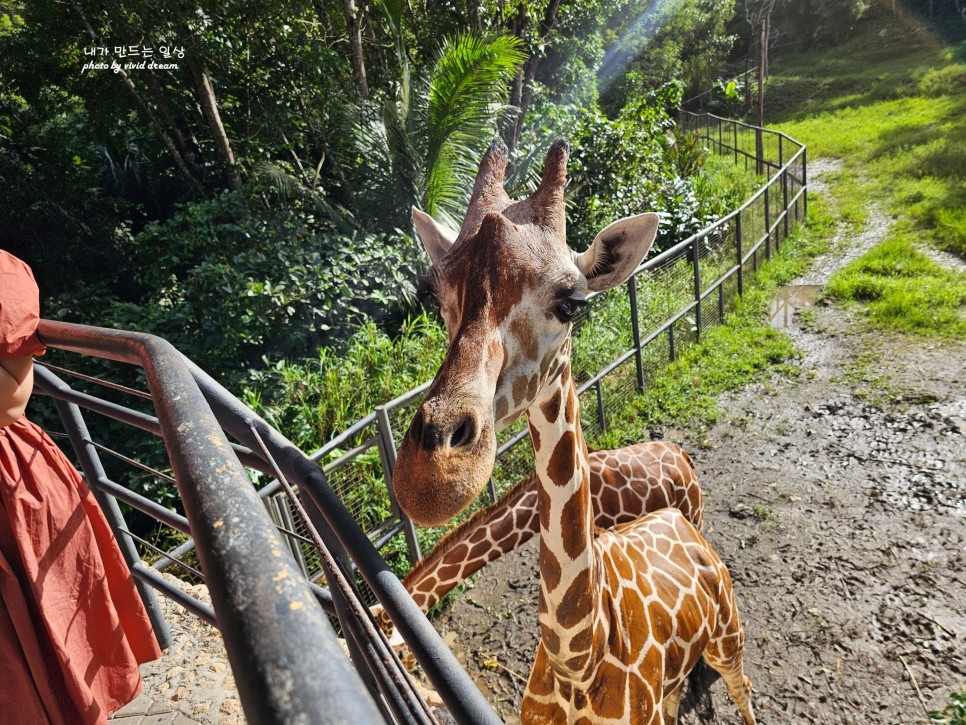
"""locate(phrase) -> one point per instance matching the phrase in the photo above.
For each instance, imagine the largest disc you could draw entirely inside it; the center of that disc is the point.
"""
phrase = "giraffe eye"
(567, 308)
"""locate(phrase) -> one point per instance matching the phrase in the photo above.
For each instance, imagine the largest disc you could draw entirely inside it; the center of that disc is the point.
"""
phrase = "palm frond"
(421, 146)
(290, 189)
(464, 96)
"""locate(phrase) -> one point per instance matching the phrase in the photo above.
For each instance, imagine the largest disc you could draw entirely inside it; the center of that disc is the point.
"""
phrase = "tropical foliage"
(237, 177)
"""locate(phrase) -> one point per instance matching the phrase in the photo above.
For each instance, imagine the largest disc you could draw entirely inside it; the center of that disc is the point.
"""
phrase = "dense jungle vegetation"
(236, 177)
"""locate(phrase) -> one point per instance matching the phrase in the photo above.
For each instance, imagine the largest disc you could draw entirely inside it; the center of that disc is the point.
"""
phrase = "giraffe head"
(507, 286)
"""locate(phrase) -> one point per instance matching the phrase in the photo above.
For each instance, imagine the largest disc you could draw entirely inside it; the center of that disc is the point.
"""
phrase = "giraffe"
(624, 484)
(624, 613)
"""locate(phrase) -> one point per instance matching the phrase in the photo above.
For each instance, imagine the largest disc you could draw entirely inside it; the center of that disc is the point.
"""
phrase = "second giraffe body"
(625, 484)
(625, 613)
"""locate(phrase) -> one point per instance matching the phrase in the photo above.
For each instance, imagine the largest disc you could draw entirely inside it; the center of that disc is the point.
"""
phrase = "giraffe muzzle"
(444, 462)
(453, 432)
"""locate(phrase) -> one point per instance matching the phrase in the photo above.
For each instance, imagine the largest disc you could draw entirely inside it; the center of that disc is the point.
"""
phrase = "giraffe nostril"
(464, 434)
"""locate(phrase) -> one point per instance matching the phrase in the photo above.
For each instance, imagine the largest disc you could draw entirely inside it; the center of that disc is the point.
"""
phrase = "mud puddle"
(789, 300)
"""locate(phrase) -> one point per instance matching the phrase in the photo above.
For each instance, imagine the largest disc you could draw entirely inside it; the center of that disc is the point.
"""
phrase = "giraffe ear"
(436, 237)
(617, 251)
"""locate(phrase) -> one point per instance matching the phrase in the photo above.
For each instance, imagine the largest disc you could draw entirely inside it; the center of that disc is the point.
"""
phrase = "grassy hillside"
(891, 103)
(891, 106)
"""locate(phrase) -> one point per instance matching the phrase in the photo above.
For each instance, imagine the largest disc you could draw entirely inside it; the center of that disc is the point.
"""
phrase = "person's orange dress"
(72, 625)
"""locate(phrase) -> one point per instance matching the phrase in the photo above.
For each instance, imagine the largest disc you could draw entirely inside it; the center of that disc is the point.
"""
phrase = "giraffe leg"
(739, 688)
(726, 656)
(671, 703)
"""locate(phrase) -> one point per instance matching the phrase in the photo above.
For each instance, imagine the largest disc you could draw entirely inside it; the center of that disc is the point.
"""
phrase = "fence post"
(741, 264)
(767, 224)
(697, 285)
(759, 151)
(600, 406)
(785, 198)
(804, 182)
(636, 331)
(491, 490)
(387, 452)
(735, 127)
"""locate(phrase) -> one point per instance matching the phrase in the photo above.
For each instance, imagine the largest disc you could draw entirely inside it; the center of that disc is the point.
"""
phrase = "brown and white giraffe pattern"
(625, 613)
(625, 484)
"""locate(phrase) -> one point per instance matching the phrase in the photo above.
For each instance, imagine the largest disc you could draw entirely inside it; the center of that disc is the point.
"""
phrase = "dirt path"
(837, 498)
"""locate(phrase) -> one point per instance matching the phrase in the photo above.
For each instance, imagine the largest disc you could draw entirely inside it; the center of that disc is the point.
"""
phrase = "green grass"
(903, 289)
(891, 103)
(685, 394)
(954, 713)
(723, 186)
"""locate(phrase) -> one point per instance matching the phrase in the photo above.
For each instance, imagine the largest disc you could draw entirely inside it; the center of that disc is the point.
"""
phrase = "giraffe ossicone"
(625, 613)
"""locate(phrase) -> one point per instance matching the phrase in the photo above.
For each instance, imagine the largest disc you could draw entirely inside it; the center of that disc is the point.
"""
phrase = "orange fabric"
(19, 309)
(69, 607)
(72, 625)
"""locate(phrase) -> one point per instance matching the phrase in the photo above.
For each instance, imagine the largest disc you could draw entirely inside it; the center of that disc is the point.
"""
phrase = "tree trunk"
(355, 44)
(473, 12)
(524, 84)
(759, 150)
(186, 141)
(320, 12)
(762, 59)
(205, 94)
(767, 40)
(517, 28)
(184, 166)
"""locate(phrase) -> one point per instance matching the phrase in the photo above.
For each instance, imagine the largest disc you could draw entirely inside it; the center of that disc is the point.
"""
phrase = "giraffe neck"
(624, 485)
(486, 536)
(569, 611)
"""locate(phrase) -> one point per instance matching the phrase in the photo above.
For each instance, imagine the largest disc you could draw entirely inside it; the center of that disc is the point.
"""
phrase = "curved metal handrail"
(285, 657)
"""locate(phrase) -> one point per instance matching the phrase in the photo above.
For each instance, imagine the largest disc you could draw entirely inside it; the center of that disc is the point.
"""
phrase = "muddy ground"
(837, 498)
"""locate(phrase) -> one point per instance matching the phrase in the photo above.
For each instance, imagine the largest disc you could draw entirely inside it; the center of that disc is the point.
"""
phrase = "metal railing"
(276, 623)
(667, 305)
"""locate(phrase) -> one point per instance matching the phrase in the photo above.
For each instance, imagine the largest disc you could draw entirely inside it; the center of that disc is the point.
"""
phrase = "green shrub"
(312, 400)
(620, 167)
(946, 81)
(231, 280)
